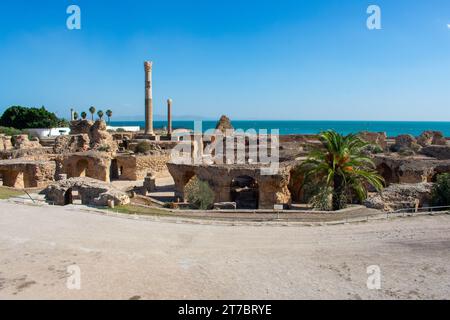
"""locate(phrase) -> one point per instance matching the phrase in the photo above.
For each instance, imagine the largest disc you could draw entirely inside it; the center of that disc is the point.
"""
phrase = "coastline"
(291, 127)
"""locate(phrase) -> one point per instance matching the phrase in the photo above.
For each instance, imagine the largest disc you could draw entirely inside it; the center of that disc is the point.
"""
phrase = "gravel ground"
(129, 259)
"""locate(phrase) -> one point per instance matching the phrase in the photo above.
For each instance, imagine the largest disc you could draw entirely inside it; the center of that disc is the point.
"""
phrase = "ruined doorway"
(387, 174)
(245, 192)
(68, 197)
(81, 168)
(115, 173)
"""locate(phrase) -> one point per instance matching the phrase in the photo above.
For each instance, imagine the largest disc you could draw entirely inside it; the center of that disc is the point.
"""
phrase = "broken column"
(169, 116)
(148, 98)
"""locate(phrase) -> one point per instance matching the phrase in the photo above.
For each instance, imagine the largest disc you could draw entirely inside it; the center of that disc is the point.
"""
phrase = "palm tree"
(109, 114)
(83, 115)
(342, 166)
(100, 114)
(75, 116)
(92, 111)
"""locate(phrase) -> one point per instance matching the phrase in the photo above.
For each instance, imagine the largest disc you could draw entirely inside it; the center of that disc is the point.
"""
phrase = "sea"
(392, 128)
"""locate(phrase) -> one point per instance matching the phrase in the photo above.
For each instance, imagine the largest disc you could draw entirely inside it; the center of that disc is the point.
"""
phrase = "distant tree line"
(92, 111)
(19, 117)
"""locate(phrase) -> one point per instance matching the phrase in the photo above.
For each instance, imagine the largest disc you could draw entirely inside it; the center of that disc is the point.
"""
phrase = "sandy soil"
(123, 258)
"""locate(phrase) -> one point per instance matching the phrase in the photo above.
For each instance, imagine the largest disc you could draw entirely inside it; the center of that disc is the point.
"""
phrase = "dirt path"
(123, 258)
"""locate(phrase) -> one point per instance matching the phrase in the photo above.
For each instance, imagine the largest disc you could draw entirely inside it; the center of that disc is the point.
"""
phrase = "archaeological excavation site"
(176, 170)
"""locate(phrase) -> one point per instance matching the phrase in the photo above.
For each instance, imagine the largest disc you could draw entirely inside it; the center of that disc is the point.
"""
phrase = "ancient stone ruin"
(88, 191)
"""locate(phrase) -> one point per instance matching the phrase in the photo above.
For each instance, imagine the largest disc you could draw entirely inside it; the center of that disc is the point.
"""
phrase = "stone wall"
(72, 143)
(137, 167)
(92, 133)
(377, 138)
(90, 192)
(273, 189)
(91, 164)
(429, 138)
(5, 143)
(27, 174)
(417, 169)
(401, 196)
(22, 142)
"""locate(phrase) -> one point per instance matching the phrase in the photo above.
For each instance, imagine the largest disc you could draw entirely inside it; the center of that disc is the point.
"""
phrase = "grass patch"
(6, 193)
(133, 209)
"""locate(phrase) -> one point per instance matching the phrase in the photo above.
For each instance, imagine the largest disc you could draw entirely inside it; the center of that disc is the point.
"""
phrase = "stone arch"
(115, 171)
(188, 177)
(81, 168)
(245, 192)
(68, 197)
(387, 173)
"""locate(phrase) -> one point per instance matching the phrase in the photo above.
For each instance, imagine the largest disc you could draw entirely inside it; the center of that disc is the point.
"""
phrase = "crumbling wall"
(429, 138)
(377, 138)
(91, 192)
(22, 142)
(27, 174)
(273, 189)
(91, 164)
(5, 143)
(90, 133)
(137, 167)
(72, 143)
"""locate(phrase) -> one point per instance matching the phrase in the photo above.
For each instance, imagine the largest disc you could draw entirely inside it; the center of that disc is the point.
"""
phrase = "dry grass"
(6, 193)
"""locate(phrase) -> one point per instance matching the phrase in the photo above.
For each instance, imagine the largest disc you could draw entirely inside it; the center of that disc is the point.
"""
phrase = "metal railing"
(420, 211)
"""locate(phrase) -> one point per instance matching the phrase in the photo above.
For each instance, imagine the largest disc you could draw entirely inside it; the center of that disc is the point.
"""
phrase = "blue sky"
(287, 60)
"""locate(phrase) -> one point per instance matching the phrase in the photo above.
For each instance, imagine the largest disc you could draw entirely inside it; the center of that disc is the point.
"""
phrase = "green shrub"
(406, 152)
(143, 147)
(9, 131)
(199, 194)
(441, 191)
(104, 148)
(120, 130)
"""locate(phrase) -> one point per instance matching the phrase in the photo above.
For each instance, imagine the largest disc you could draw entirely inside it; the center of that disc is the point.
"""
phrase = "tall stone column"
(169, 116)
(148, 98)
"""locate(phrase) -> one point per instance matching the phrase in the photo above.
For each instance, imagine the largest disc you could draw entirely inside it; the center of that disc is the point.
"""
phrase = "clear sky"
(248, 59)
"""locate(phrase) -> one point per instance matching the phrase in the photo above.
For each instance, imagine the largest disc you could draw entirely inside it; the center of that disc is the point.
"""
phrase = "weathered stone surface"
(377, 138)
(5, 143)
(72, 143)
(224, 124)
(225, 206)
(90, 164)
(27, 174)
(437, 151)
(416, 169)
(22, 142)
(101, 139)
(137, 166)
(150, 183)
(405, 142)
(429, 138)
(36, 154)
(272, 189)
(401, 196)
(81, 127)
(91, 192)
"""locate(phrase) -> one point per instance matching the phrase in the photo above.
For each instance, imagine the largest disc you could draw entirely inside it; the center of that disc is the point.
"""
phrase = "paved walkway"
(124, 258)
